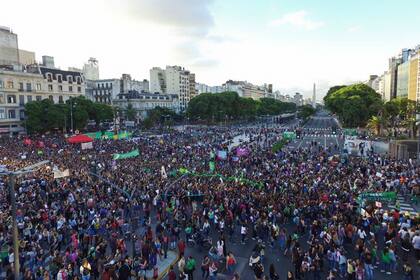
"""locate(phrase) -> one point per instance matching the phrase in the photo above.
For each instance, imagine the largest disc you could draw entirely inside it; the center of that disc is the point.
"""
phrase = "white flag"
(163, 172)
(61, 174)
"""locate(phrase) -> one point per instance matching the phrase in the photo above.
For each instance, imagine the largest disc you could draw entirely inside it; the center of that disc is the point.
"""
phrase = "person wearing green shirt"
(386, 261)
(188, 232)
(190, 267)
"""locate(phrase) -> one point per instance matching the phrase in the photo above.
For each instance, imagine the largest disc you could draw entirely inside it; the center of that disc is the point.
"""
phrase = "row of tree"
(44, 115)
(230, 106)
(360, 106)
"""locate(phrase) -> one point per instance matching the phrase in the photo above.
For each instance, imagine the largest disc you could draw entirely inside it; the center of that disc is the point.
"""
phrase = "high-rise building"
(9, 51)
(393, 71)
(402, 79)
(157, 80)
(387, 96)
(414, 77)
(173, 80)
(91, 69)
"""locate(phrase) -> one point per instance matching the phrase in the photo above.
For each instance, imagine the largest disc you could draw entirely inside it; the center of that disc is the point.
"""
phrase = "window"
(20, 86)
(11, 99)
(21, 100)
(70, 79)
(1, 98)
(51, 98)
(2, 116)
(1, 84)
(70, 88)
(78, 80)
(60, 88)
(28, 87)
(38, 87)
(59, 78)
(50, 88)
(22, 114)
(12, 114)
(79, 89)
(60, 99)
(49, 77)
(38, 98)
(29, 98)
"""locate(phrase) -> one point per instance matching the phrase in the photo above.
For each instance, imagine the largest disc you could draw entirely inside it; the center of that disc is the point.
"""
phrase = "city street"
(322, 129)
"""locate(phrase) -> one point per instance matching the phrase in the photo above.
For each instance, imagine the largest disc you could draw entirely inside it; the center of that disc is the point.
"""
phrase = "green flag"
(212, 166)
(131, 154)
(40, 152)
(183, 170)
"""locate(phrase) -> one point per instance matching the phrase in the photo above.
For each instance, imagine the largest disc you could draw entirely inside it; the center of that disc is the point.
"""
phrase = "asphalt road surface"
(323, 130)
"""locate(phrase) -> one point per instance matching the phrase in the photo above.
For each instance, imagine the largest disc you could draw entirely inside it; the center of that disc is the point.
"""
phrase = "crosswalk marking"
(404, 206)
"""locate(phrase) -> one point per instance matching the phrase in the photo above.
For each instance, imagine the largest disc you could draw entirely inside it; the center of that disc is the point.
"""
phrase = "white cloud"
(353, 29)
(298, 19)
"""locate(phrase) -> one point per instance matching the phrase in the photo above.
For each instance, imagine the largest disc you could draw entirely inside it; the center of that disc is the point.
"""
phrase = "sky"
(289, 43)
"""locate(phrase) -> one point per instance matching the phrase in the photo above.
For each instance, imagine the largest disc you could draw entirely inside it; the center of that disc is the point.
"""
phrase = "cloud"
(205, 63)
(190, 16)
(298, 19)
(354, 28)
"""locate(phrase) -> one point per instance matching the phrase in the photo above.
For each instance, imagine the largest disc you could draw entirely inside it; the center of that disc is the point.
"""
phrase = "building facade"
(157, 80)
(36, 83)
(107, 90)
(414, 78)
(173, 80)
(402, 80)
(246, 89)
(142, 103)
(91, 69)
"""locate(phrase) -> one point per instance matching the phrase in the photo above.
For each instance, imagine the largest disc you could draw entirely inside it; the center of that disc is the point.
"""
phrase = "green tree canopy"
(354, 104)
(45, 116)
(228, 105)
(306, 111)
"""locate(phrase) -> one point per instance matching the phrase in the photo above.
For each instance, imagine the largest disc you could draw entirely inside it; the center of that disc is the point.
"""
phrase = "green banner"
(242, 180)
(380, 196)
(183, 170)
(289, 135)
(109, 135)
(212, 166)
(131, 154)
(350, 131)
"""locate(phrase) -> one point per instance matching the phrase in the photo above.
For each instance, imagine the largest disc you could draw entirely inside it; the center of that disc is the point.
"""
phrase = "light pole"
(12, 181)
(71, 114)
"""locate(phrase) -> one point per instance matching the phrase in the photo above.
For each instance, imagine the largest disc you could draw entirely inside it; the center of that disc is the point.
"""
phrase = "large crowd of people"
(122, 222)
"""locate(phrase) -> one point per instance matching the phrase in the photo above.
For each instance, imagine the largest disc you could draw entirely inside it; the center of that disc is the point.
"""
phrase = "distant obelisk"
(314, 96)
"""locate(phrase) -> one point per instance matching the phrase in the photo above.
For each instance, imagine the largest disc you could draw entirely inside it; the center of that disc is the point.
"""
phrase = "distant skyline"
(288, 43)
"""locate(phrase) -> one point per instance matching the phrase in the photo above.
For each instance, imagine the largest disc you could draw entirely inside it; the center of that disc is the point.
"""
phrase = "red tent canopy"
(81, 138)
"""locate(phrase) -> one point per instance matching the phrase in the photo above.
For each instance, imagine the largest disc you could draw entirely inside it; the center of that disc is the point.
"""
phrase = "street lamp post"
(12, 181)
(71, 114)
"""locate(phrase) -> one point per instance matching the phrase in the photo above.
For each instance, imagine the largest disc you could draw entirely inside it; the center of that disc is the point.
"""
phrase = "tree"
(374, 124)
(306, 111)
(159, 116)
(354, 104)
(130, 113)
(218, 107)
(45, 116)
